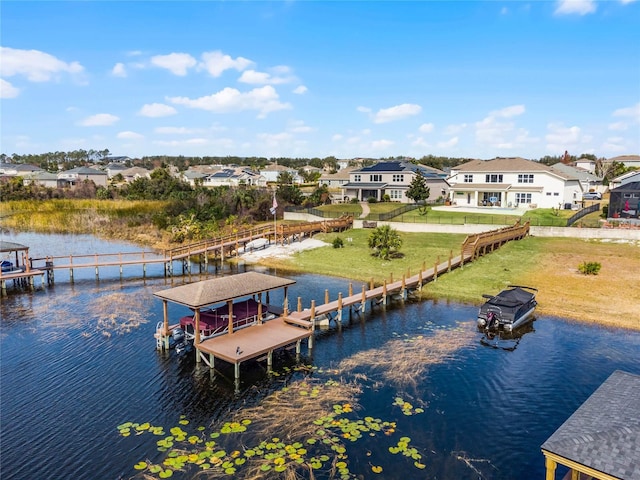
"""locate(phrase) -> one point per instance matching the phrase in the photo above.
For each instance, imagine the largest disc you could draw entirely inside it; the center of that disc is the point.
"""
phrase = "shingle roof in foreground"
(218, 290)
(604, 433)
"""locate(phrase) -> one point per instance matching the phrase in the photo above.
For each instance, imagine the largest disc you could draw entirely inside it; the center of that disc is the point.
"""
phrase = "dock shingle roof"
(217, 290)
(604, 433)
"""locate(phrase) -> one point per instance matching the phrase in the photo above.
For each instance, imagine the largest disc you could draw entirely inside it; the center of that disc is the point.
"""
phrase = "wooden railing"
(478, 244)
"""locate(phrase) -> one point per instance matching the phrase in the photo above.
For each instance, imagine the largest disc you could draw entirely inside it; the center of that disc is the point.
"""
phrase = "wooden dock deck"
(252, 342)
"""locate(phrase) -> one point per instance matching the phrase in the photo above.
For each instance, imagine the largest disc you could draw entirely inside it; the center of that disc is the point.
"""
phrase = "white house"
(630, 161)
(512, 182)
(393, 178)
(133, 173)
(272, 171)
(589, 181)
(234, 177)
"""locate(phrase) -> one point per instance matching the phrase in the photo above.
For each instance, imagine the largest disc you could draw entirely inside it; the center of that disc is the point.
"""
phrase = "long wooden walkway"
(215, 249)
(292, 327)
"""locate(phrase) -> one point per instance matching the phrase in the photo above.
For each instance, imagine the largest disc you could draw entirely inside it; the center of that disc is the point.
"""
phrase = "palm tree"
(385, 240)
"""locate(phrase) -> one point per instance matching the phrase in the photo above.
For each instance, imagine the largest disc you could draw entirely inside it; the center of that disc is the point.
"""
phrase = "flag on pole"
(274, 206)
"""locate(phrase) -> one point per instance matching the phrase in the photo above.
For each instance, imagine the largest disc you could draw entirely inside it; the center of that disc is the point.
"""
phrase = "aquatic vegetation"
(117, 313)
(404, 360)
(307, 425)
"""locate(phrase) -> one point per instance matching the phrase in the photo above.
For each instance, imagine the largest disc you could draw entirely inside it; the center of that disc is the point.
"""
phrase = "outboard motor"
(178, 335)
(492, 321)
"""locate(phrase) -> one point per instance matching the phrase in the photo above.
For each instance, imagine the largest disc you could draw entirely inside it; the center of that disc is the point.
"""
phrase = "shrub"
(354, 200)
(338, 243)
(372, 200)
(589, 268)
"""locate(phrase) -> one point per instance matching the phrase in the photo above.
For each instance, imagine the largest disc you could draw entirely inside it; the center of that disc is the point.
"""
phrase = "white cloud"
(262, 78)
(119, 70)
(579, 7)
(420, 142)
(128, 135)
(264, 100)
(7, 90)
(633, 112)
(364, 109)
(299, 127)
(176, 131)
(99, 120)
(618, 126)
(454, 129)
(156, 110)
(381, 144)
(300, 90)
(452, 142)
(337, 137)
(35, 65)
(397, 112)
(176, 63)
(508, 112)
(426, 127)
(560, 138)
(217, 62)
(615, 144)
(499, 133)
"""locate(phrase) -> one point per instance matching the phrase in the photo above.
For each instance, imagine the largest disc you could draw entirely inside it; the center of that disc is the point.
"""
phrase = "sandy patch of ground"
(281, 251)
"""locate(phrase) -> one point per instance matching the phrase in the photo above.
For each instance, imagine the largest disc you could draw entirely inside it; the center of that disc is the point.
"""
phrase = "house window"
(493, 178)
(395, 194)
(523, 198)
(556, 194)
(398, 178)
(525, 178)
(375, 178)
(356, 178)
(468, 178)
(548, 194)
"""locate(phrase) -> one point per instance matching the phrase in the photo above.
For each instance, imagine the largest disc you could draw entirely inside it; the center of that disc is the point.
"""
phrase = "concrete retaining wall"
(572, 232)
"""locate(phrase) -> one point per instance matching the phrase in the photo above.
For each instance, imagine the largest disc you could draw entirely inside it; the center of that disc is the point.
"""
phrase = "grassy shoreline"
(549, 264)
(611, 298)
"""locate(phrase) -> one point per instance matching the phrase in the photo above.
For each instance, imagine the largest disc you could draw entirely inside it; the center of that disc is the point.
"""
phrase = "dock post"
(339, 317)
(3, 286)
(435, 271)
(298, 343)
(269, 360)
(350, 289)
(326, 296)
(237, 371)
(450, 258)
(71, 268)
(403, 291)
(313, 322)
(97, 272)
(299, 304)
(384, 293)
(212, 360)
(364, 299)
(420, 280)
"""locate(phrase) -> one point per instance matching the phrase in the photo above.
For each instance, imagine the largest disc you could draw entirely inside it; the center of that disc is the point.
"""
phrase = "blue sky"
(316, 79)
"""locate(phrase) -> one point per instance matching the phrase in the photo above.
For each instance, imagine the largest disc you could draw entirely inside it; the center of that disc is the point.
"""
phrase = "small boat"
(508, 310)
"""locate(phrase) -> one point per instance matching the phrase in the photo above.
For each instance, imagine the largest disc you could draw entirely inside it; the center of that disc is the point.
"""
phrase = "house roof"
(627, 187)
(363, 185)
(217, 290)
(501, 164)
(84, 171)
(574, 173)
(625, 158)
(604, 433)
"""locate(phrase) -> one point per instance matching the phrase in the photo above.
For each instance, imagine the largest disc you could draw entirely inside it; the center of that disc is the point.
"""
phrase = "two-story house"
(512, 182)
(234, 177)
(272, 172)
(392, 178)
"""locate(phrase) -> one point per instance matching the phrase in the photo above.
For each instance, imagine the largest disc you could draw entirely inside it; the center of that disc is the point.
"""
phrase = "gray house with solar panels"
(393, 178)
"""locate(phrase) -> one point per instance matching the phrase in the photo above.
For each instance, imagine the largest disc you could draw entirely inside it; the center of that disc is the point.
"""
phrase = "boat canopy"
(223, 289)
(511, 298)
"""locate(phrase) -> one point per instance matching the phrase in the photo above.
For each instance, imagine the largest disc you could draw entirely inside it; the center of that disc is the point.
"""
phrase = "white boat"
(508, 310)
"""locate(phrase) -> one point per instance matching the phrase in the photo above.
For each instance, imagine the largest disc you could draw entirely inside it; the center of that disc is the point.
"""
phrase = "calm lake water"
(71, 373)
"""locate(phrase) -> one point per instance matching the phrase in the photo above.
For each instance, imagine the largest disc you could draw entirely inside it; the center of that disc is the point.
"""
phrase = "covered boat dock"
(236, 344)
(19, 270)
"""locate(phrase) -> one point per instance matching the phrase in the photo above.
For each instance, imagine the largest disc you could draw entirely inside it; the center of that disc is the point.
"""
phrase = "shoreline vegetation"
(609, 299)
